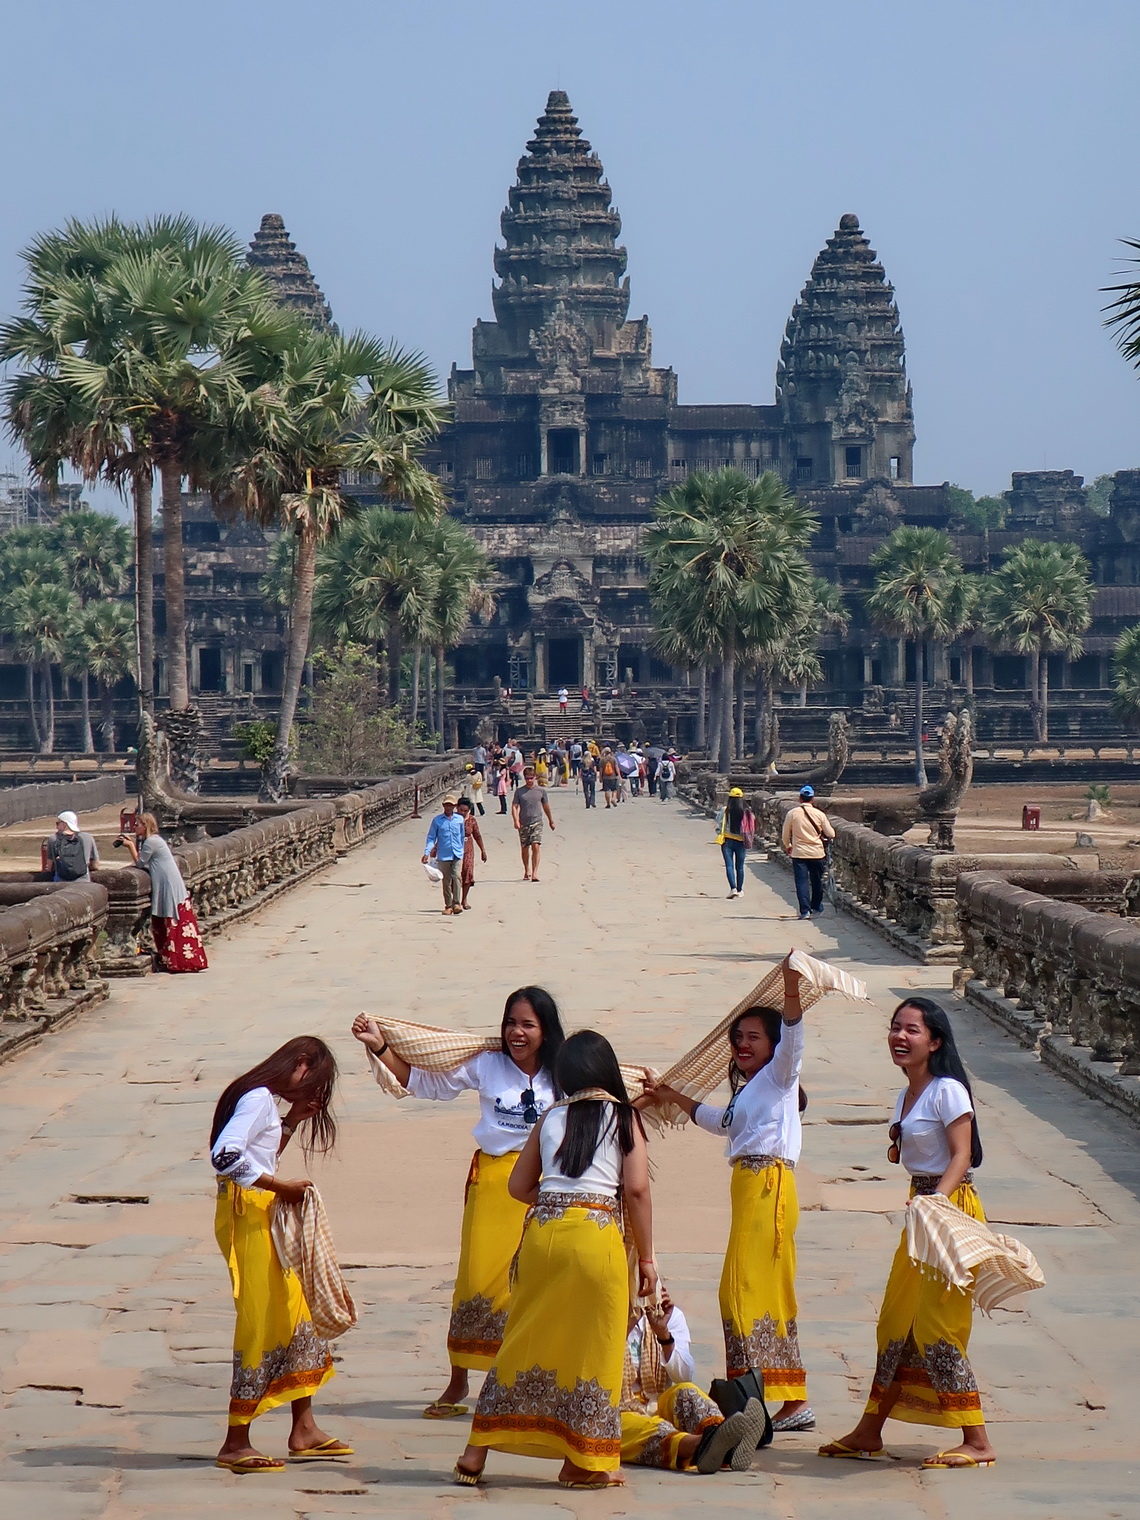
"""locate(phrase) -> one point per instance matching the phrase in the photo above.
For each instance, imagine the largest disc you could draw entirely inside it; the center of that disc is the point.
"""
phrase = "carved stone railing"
(237, 873)
(49, 937)
(1062, 974)
(905, 892)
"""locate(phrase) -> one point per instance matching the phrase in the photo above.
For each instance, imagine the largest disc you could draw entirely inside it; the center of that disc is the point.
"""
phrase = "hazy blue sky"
(989, 148)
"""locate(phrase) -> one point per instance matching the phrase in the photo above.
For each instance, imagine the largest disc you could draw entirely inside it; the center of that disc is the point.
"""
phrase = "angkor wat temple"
(565, 433)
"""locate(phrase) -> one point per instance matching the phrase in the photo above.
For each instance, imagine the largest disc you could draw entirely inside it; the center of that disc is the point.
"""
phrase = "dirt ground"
(990, 820)
(20, 842)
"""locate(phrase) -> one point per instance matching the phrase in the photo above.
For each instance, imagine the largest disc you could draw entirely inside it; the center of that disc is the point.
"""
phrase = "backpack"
(71, 857)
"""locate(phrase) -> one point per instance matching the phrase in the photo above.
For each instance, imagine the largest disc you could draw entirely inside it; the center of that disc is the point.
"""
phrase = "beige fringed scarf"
(967, 1254)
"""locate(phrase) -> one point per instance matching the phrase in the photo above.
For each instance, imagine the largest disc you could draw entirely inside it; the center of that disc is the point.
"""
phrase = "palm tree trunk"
(107, 722)
(395, 651)
(439, 697)
(758, 718)
(702, 704)
(1043, 700)
(174, 571)
(416, 658)
(49, 709)
(728, 687)
(1035, 692)
(30, 674)
(142, 489)
(919, 761)
(803, 692)
(713, 738)
(968, 669)
(273, 773)
(739, 746)
(88, 737)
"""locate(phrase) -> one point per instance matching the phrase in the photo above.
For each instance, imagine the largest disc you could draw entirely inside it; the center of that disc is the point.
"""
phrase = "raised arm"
(368, 1033)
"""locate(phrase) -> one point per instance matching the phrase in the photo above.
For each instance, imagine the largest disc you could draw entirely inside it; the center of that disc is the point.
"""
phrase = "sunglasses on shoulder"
(894, 1155)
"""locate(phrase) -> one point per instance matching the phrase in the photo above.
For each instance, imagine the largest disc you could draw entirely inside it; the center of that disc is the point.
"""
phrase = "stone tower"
(275, 255)
(841, 384)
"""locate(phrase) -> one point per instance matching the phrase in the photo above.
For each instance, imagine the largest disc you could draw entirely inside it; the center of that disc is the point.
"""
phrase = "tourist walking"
(653, 758)
(472, 840)
(762, 1126)
(585, 707)
(515, 1084)
(666, 775)
(541, 768)
(516, 764)
(610, 777)
(446, 837)
(730, 837)
(806, 834)
(529, 804)
(923, 1373)
(70, 854)
(472, 788)
(555, 763)
(575, 758)
(555, 1388)
(588, 770)
(502, 783)
(666, 1420)
(563, 700)
(173, 926)
(278, 1356)
(479, 758)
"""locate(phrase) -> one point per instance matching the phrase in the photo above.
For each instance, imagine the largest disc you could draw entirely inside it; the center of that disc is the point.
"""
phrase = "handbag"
(730, 1395)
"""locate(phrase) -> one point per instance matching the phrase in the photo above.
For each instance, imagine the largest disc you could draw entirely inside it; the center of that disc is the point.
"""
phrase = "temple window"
(643, 468)
(600, 464)
(854, 463)
(484, 469)
(524, 466)
(678, 466)
(894, 466)
(562, 451)
(804, 469)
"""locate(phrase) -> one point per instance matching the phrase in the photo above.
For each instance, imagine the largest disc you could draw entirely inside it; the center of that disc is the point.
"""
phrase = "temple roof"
(274, 253)
(560, 263)
(843, 351)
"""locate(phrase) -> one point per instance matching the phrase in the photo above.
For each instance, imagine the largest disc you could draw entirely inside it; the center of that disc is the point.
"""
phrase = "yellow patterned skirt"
(492, 1227)
(758, 1283)
(555, 1387)
(278, 1356)
(924, 1330)
(654, 1440)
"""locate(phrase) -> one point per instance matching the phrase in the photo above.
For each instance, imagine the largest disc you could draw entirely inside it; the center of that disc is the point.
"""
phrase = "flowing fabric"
(304, 1245)
(758, 1280)
(967, 1253)
(654, 1440)
(492, 1227)
(178, 941)
(278, 1355)
(922, 1340)
(471, 838)
(555, 1387)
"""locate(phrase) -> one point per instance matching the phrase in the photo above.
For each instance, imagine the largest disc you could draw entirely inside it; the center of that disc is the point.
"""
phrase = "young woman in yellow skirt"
(762, 1127)
(515, 1086)
(556, 1386)
(278, 1357)
(923, 1373)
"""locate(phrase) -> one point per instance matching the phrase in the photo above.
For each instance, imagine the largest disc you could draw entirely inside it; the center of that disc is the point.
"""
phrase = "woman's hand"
(647, 1280)
(292, 1192)
(484, 853)
(367, 1031)
(659, 1318)
(304, 1108)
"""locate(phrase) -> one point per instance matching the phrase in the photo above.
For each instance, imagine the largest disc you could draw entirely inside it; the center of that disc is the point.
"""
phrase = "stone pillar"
(985, 675)
(867, 672)
(539, 667)
(937, 674)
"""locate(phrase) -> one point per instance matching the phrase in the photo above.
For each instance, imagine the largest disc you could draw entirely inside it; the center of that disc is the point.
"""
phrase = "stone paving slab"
(629, 927)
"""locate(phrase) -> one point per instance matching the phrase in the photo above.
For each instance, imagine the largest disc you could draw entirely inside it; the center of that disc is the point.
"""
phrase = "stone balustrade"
(1052, 957)
(49, 942)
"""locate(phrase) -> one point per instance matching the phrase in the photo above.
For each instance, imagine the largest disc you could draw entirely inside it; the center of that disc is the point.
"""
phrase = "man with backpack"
(70, 854)
(806, 835)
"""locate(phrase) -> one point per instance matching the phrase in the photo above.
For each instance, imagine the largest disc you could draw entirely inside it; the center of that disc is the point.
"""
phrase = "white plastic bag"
(432, 872)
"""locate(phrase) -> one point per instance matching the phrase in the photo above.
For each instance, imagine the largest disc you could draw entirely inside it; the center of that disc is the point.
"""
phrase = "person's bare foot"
(968, 1452)
(585, 1477)
(245, 1453)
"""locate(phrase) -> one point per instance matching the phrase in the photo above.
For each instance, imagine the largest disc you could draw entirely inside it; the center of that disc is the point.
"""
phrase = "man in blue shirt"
(445, 840)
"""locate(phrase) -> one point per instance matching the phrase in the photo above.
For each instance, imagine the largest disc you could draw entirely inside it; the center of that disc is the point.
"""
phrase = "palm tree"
(96, 553)
(460, 593)
(26, 561)
(325, 405)
(916, 596)
(1124, 310)
(1126, 672)
(103, 640)
(1039, 601)
(726, 566)
(39, 617)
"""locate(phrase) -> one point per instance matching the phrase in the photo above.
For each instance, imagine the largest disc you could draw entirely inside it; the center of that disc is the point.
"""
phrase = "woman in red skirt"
(172, 922)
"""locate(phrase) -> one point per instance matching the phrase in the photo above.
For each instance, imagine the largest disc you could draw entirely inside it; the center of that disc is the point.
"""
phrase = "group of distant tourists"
(559, 1298)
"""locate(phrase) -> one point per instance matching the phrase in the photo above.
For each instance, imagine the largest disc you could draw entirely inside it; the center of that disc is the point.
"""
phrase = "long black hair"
(944, 1059)
(546, 1012)
(587, 1060)
(274, 1072)
(773, 1022)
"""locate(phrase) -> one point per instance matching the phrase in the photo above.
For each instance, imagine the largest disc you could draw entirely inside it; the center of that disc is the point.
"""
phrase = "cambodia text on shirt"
(502, 1127)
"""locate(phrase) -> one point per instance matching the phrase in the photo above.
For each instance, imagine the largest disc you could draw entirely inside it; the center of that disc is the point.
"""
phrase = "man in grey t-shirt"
(70, 853)
(526, 813)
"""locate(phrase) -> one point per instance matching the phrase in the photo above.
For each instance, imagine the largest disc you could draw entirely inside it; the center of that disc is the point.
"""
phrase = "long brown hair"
(773, 1022)
(319, 1132)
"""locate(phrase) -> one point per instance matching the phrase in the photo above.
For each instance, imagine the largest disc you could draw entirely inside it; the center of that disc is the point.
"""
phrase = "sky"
(987, 146)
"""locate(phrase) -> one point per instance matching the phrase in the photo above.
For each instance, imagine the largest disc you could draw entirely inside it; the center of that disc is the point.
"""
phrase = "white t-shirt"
(603, 1175)
(766, 1117)
(247, 1147)
(500, 1085)
(923, 1146)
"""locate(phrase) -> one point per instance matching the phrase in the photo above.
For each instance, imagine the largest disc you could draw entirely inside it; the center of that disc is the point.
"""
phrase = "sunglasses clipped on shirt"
(530, 1106)
(894, 1155)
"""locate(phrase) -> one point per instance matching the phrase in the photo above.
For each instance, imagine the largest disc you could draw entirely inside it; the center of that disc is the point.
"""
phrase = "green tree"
(1126, 672)
(327, 406)
(1098, 496)
(727, 565)
(1039, 602)
(917, 595)
(101, 647)
(40, 616)
(462, 571)
(27, 561)
(347, 730)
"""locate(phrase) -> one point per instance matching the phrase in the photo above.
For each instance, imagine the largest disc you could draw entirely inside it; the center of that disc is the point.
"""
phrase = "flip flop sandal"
(952, 1459)
(577, 1483)
(245, 1465)
(751, 1429)
(722, 1439)
(803, 1420)
(444, 1411)
(330, 1448)
(838, 1449)
(465, 1477)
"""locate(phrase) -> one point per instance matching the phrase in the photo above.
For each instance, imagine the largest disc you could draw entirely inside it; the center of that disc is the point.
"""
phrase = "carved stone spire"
(275, 255)
(842, 361)
(561, 263)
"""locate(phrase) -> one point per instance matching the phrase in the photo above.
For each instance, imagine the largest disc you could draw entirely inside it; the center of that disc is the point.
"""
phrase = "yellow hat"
(735, 792)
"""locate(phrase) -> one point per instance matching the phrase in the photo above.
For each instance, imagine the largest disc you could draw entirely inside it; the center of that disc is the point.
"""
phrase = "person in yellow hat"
(730, 837)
